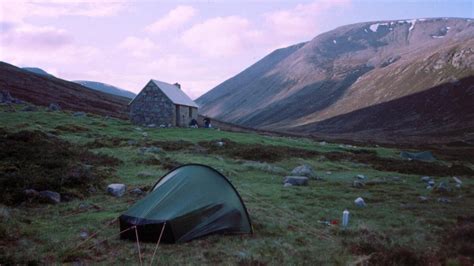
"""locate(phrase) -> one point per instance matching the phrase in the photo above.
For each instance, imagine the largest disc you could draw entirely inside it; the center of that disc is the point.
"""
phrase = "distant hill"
(103, 87)
(402, 78)
(37, 71)
(46, 89)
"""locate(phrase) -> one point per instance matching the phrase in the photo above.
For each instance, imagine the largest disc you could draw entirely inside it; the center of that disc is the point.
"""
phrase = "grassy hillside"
(395, 227)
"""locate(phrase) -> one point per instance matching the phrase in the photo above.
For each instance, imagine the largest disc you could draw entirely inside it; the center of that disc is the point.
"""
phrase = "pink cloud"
(27, 36)
(138, 47)
(174, 19)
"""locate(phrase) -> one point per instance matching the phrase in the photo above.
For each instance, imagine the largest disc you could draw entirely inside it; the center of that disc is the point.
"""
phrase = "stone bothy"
(161, 103)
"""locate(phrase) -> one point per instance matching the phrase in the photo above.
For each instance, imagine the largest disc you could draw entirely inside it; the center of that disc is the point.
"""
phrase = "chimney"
(178, 85)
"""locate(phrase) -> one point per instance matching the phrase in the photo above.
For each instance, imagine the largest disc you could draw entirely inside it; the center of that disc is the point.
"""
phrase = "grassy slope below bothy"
(395, 227)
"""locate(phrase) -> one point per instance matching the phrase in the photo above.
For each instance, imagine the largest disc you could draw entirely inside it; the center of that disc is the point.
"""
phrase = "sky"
(198, 44)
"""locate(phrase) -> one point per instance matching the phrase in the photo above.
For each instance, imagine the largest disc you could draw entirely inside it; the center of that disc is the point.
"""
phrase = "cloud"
(300, 23)
(221, 36)
(27, 36)
(19, 10)
(138, 47)
(173, 20)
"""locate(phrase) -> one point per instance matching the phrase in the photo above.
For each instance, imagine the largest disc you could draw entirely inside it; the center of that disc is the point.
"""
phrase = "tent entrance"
(147, 232)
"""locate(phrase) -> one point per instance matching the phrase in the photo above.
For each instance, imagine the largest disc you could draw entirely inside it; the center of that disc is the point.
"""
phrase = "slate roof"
(176, 95)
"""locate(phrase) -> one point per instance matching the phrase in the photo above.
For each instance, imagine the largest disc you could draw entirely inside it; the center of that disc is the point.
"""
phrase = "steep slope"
(44, 90)
(103, 87)
(347, 69)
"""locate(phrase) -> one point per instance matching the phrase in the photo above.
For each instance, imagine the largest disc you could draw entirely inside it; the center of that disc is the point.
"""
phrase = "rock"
(287, 185)
(358, 184)
(30, 193)
(323, 143)
(359, 202)
(458, 185)
(425, 178)
(443, 187)
(296, 180)
(444, 200)
(84, 235)
(79, 114)
(220, 143)
(423, 199)
(138, 129)
(151, 125)
(137, 192)
(431, 183)
(429, 187)
(84, 206)
(152, 149)
(29, 108)
(53, 107)
(304, 170)
(132, 142)
(4, 213)
(395, 178)
(162, 126)
(457, 180)
(362, 177)
(116, 190)
(145, 174)
(50, 196)
(144, 134)
(5, 97)
(328, 172)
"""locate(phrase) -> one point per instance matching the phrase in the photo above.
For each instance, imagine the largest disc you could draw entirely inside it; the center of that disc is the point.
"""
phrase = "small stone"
(328, 172)
(84, 206)
(358, 184)
(423, 199)
(304, 170)
(116, 190)
(132, 142)
(4, 213)
(30, 193)
(287, 185)
(457, 180)
(362, 177)
(84, 235)
(29, 108)
(151, 125)
(54, 107)
(296, 180)
(443, 187)
(431, 183)
(429, 187)
(220, 143)
(359, 202)
(50, 196)
(425, 178)
(444, 200)
(322, 143)
(395, 178)
(138, 129)
(79, 114)
(458, 185)
(137, 192)
(145, 134)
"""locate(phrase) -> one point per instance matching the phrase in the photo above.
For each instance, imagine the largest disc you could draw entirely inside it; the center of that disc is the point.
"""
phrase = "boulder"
(53, 107)
(304, 170)
(116, 190)
(296, 180)
(50, 196)
(359, 202)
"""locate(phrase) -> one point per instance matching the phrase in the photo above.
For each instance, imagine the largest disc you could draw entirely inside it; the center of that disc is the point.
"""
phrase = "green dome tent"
(191, 201)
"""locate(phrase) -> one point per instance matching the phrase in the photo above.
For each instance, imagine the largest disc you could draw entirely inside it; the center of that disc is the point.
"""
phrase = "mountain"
(345, 80)
(37, 70)
(44, 90)
(103, 87)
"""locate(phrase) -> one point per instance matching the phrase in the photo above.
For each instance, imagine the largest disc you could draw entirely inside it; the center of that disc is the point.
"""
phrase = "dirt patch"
(34, 160)
(254, 152)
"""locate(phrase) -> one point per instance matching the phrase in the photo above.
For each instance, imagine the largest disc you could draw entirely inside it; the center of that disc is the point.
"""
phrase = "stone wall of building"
(185, 115)
(152, 106)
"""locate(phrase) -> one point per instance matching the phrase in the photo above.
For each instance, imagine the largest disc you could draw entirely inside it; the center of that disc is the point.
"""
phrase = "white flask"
(345, 218)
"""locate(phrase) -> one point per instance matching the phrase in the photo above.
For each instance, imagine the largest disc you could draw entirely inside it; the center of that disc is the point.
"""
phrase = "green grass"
(285, 220)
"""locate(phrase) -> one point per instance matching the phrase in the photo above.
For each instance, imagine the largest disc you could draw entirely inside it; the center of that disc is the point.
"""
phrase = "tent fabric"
(194, 201)
(420, 156)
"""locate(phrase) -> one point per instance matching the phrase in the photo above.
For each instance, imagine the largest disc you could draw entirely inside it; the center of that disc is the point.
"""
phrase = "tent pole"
(157, 243)
(138, 245)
